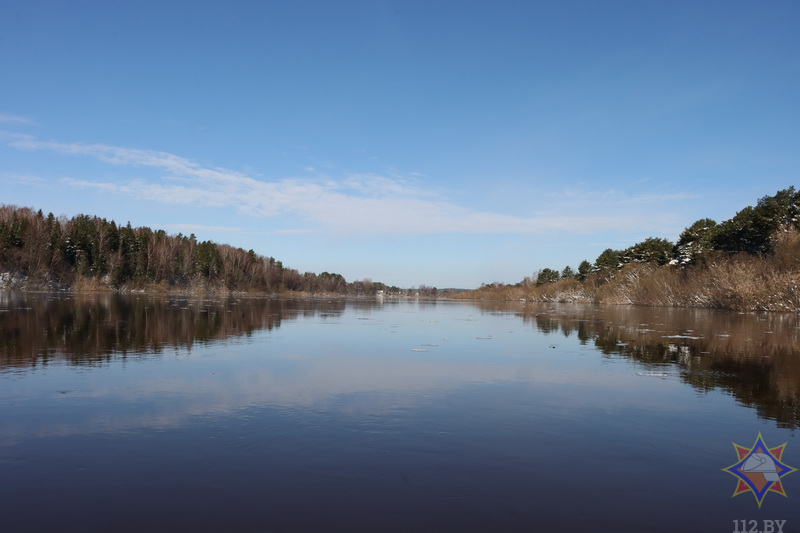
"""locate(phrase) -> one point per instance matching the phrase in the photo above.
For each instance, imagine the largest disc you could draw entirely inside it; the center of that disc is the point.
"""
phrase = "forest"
(39, 251)
(750, 262)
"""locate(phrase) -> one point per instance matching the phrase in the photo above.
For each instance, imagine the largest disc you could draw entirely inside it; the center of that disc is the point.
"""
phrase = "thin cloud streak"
(231, 229)
(202, 227)
(5, 118)
(616, 197)
(360, 204)
(14, 177)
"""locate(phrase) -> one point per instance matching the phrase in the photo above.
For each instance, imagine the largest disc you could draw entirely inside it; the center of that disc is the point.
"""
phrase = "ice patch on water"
(653, 374)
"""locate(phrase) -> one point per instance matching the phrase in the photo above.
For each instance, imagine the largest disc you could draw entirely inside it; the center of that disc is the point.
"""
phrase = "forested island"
(750, 262)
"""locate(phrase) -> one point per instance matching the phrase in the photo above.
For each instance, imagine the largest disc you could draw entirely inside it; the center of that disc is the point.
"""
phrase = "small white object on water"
(419, 350)
(653, 374)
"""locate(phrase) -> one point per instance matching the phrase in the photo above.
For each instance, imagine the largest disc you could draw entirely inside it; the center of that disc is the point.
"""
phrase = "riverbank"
(88, 285)
(738, 283)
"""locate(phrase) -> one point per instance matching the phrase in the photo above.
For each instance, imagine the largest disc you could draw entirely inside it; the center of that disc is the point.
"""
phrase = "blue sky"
(444, 143)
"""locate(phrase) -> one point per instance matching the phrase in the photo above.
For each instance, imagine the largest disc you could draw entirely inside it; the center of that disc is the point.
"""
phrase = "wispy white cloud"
(15, 177)
(10, 137)
(5, 118)
(616, 197)
(231, 229)
(201, 227)
(297, 231)
(357, 204)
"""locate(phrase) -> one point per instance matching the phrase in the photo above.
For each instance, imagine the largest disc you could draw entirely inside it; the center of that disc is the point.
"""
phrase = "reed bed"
(740, 282)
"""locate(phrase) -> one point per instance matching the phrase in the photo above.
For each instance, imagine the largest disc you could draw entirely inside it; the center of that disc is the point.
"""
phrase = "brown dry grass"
(739, 282)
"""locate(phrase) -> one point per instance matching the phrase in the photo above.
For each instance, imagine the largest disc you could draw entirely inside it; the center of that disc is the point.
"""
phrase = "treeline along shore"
(748, 263)
(81, 253)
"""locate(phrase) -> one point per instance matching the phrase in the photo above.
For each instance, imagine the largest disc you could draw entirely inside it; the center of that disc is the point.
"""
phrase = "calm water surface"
(126, 413)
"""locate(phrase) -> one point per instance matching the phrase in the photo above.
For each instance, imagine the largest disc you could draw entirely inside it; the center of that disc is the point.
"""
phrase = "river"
(156, 413)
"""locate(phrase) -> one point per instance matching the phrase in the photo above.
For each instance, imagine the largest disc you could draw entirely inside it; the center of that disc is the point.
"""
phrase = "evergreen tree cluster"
(752, 230)
(60, 250)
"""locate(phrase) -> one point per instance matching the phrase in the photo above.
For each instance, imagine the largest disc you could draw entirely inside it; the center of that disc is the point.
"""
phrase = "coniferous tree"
(752, 228)
(584, 269)
(608, 260)
(695, 240)
(546, 275)
(651, 250)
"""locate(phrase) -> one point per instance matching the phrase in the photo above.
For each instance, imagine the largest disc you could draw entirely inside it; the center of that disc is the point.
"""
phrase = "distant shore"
(90, 286)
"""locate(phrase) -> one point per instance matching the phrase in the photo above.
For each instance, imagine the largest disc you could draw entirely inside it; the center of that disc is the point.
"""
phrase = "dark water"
(126, 413)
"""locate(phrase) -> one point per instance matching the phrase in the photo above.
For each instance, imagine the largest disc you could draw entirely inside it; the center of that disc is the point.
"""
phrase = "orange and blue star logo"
(759, 469)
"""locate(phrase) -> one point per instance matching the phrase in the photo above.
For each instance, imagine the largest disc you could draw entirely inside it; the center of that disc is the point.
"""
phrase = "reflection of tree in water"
(84, 330)
(753, 357)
